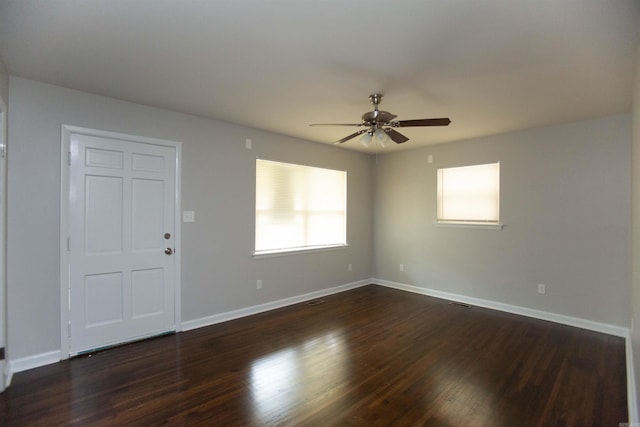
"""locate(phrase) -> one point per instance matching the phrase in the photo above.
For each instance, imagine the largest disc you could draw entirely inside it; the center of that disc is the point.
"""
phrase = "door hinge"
(3, 150)
(69, 157)
(69, 329)
(68, 244)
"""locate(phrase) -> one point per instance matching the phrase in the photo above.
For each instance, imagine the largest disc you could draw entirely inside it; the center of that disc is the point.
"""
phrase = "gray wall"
(635, 331)
(565, 197)
(565, 200)
(218, 271)
(4, 84)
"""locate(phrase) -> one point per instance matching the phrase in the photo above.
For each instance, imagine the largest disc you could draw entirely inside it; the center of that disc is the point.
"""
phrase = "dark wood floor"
(372, 356)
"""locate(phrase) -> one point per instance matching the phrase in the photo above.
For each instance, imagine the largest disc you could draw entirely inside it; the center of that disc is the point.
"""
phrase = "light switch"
(188, 216)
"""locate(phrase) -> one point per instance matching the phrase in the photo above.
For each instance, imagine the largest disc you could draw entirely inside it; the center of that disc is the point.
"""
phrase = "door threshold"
(92, 351)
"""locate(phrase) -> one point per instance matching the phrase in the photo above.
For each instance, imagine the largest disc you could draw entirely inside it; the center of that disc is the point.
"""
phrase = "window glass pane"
(469, 193)
(299, 207)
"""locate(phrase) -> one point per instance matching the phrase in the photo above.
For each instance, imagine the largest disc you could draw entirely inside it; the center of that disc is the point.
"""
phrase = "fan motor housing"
(377, 117)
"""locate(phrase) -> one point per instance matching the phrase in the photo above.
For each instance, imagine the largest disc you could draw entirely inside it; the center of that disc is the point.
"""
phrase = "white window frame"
(269, 252)
(470, 221)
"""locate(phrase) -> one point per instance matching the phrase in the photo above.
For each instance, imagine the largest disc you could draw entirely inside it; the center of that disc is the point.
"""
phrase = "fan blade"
(444, 121)
(336, 124)
(353, 135)
(396, 136)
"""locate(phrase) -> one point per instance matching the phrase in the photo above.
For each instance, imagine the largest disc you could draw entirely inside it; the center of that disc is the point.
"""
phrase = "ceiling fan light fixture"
(366, 139)
(382, 138)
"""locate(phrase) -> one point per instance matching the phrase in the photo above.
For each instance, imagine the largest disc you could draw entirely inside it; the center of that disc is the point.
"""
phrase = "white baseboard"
(6, 375)
(248, 311)
(38, 360)
(634, 416)
(35, 361)
(606, 328)
(632, 402)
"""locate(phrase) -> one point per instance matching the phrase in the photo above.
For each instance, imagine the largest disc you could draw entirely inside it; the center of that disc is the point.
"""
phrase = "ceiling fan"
(380, 125)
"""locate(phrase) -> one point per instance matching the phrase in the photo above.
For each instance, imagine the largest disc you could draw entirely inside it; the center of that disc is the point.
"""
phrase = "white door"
(122, 267)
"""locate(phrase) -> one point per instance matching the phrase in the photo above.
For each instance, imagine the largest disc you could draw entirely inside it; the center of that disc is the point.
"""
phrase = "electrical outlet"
(259, 284)
(401, 267)
(542, 288)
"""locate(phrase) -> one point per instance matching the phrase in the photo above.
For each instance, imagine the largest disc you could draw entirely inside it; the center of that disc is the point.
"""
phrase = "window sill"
(470, 224)
(297, 251)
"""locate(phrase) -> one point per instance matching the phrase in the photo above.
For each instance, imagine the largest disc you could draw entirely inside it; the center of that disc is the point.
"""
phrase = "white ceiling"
(492, 66)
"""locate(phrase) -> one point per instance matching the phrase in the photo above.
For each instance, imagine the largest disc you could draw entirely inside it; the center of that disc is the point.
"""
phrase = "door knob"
(168, 251)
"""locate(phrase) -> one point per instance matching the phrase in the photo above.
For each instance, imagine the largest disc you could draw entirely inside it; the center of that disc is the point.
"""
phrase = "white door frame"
(65, 187)
(4, 305)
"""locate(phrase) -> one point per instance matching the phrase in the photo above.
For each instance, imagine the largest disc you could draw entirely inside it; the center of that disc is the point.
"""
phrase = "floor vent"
(460, 304)
(316, 302)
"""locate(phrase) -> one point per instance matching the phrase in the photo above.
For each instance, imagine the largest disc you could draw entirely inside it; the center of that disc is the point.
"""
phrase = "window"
(299, 207)
(469, 195)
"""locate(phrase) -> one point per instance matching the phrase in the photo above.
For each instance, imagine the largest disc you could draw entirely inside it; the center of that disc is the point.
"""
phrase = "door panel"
(148, 228)
(103, 215)
(104, 158)
(146, 162)
(148, 298)
(122, 202)
(102, 299)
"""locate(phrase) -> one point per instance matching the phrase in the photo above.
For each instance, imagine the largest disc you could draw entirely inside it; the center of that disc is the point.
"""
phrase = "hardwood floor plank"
(371, 356)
